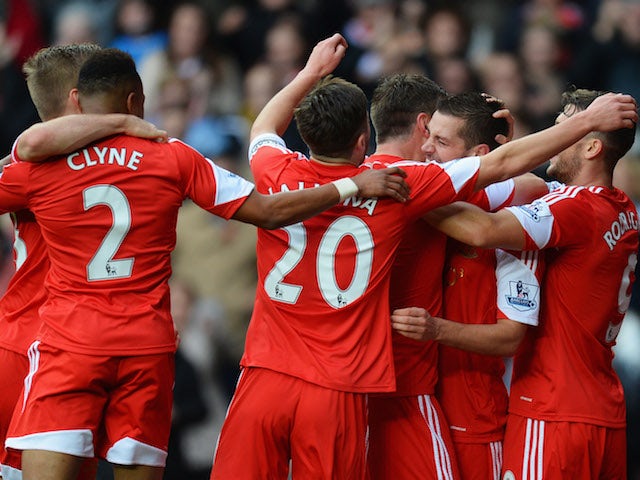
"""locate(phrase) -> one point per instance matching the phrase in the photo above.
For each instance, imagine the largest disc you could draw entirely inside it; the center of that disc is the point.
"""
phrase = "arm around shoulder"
(472, 225)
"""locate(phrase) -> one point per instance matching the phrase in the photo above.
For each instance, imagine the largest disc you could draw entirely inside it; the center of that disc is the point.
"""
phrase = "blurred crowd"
(209, 67)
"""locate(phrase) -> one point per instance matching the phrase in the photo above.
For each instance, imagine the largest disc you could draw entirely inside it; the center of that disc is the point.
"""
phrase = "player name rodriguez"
(368, 204)
(626, 221)
(90, 157)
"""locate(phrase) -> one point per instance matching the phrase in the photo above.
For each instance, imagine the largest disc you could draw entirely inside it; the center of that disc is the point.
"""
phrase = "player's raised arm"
(277, 114)
(607, 113)
(71, 132)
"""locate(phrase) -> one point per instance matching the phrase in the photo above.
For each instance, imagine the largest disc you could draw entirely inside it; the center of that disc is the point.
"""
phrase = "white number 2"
(102, 266)
(325, 263)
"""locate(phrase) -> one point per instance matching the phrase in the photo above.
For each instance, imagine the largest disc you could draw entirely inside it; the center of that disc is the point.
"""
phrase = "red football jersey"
(564, 373)
(19, 318)
(322, 303)
(416, 281)
(108, 214)
(470, 389)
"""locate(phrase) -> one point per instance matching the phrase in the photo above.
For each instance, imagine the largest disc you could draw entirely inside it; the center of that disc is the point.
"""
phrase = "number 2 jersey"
(322, 303)
(108, 214)
(564, 372)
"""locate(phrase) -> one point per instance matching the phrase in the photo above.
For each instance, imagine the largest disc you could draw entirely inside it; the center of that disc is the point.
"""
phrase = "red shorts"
(14, 368)
(116, 408)
(560, 450)
(275, 417)
(409, 438)
(479, 461)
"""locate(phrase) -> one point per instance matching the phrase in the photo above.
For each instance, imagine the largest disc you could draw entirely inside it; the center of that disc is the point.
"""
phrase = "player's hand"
(613, 111)
(137, 127)
(326, 55)
(505, 113)
(388, 182)
(414, 322)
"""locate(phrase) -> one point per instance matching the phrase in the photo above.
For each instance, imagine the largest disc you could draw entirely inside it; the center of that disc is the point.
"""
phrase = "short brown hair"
(477, 112)
(398, 99)
(52, 72)
(332, 116)
(616, 143)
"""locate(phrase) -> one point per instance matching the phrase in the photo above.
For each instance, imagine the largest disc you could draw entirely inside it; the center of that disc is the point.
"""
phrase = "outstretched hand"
(326, 55)
(388, 182)
(414, 322)
(613, 111)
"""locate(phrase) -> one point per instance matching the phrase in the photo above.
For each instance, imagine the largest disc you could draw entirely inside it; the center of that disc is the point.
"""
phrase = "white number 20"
(336, 297)
(102, 266)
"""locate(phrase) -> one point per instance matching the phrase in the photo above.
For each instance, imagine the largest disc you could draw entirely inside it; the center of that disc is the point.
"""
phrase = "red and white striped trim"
(441, 456)
(532, 460)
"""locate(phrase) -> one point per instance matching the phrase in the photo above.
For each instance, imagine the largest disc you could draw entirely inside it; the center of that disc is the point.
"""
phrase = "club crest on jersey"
(523, 296)
(536, 210)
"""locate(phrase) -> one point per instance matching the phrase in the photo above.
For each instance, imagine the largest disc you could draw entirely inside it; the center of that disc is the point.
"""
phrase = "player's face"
(566, 165)
(444, 142)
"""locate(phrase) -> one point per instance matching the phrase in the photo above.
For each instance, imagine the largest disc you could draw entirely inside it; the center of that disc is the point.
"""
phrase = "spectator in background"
(456, 75)
(76, 22)
(243, 29)
(500, 75)
(189, 406)
(214, 80)
(20, 37)
(286, 48)
(566, 18)
(610, 58)
(136, 29)
(543, 71)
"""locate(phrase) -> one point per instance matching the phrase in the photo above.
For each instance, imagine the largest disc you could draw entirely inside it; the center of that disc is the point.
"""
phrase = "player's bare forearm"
(278, 112)
(606, 113)
(71, 132)
(527, 188)
(285, 208)
(502, 338)
(471, 225)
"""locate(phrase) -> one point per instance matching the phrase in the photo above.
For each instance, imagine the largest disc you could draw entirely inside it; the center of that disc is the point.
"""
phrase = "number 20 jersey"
(563, 370)
(322, 303)
(108, 215)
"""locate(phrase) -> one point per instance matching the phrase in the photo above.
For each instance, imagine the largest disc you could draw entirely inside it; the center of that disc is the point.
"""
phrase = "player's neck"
(588, 179)
(400, 149)
(324, 160)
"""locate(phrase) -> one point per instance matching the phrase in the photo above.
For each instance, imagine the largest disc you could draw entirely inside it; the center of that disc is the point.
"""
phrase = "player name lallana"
(90, 157)
(626, 221)
(368, 204)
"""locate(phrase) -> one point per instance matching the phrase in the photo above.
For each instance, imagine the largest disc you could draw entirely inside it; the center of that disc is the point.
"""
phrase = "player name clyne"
(90, 157)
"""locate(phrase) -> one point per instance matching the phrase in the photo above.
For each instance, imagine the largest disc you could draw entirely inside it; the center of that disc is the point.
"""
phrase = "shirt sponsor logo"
(523, 296)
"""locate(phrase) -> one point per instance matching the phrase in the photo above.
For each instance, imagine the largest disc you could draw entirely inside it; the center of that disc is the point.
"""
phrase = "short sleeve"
(518, 277)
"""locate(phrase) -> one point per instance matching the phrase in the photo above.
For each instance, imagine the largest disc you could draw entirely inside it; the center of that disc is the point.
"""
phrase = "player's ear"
(135, 104)
(422, 124)
(481, 149)
(74, 100)
(593, 148)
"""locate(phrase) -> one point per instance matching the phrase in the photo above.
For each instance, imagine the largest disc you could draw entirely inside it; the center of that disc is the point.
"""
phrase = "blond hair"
(52, 72)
